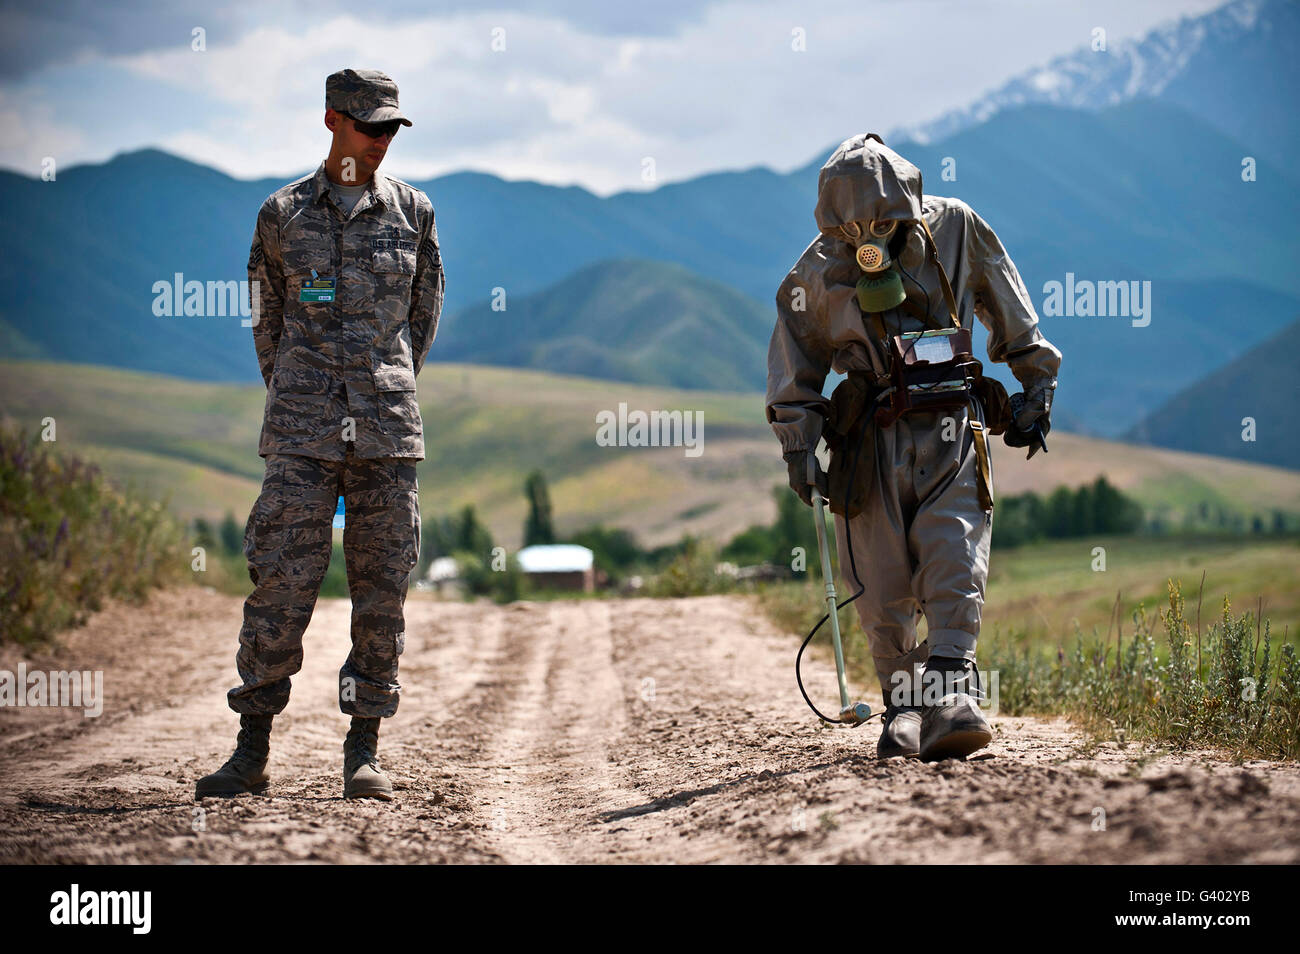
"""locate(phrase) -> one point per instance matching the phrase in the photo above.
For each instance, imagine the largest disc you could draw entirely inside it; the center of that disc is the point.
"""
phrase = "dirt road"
(578, 731)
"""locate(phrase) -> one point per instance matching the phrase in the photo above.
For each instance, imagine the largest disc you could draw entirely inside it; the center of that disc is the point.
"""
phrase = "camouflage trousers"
(288, 542)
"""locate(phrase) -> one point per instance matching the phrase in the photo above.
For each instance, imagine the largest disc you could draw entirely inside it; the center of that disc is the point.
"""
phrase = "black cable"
(866, 420)
(918, 285)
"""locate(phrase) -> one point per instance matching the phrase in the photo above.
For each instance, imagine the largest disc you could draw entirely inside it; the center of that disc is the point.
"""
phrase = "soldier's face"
(349, 141)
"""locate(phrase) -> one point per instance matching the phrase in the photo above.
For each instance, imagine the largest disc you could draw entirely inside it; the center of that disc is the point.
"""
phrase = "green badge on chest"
(317, 289)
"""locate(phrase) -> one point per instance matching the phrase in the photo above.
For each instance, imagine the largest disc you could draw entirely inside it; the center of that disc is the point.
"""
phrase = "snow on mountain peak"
(1085, 79)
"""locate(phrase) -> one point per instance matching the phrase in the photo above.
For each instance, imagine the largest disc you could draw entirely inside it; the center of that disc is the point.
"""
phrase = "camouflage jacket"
(344, 370)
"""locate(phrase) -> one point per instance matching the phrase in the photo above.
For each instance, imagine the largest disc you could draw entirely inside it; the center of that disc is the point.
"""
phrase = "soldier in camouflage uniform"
(347, 286)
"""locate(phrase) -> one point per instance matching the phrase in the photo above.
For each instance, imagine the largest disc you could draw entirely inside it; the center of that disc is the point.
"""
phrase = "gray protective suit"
(921, 544)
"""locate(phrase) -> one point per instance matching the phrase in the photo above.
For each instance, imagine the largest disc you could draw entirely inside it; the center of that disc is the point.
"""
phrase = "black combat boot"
(900, 735)
(900, 730)
(362, 776)
(952, 726)
(244, 772)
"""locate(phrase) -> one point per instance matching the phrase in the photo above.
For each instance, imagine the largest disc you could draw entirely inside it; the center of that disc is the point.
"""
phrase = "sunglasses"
(374, 130)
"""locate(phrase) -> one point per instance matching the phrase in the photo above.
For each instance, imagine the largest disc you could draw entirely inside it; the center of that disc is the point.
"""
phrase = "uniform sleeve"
(266, 288)
(798, 360)
(427, 294)
(1003, 305)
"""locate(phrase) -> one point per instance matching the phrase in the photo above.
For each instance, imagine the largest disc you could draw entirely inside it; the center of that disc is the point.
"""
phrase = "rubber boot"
(953, 726)
(362, 776)
(244, 772)
(900, 736)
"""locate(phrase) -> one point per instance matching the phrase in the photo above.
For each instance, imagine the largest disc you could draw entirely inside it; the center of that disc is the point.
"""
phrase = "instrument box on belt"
(929, 371)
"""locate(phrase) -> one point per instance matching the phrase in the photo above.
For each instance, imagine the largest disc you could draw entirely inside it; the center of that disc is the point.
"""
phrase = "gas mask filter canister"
(881, 287)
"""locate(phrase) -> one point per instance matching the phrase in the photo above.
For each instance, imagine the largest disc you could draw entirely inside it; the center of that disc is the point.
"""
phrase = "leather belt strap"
(985, 481)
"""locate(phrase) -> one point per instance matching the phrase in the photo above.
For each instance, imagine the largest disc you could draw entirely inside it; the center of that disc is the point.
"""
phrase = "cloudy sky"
(582, 92)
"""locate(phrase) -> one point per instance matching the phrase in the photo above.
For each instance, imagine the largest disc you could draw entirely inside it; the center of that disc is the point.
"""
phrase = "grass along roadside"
(1224, 686)
(1146, 666)
(69, 539)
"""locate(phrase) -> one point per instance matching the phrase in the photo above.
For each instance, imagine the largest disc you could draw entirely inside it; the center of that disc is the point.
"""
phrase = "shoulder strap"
(943, 276)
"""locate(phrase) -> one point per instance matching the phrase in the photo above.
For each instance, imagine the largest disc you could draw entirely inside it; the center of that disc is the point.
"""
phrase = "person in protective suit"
(910, 480)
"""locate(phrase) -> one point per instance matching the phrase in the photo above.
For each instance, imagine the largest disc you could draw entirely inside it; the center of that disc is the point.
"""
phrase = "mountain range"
(1226, 66)
(1249, 409)
(1122, 173)
(675, 328)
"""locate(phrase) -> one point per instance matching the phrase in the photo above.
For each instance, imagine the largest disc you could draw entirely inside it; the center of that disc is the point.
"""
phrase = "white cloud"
(566, 104)
(34, 132)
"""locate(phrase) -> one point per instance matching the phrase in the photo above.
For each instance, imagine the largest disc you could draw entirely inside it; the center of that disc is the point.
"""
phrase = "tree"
(1060, 514)
(1114, 512)
(775, 543)
(538, 528)
(232, 534)
(459, 533)
(470, 536)
(1082, 518)
(1019, 520)
(613, 549)
(203, 535)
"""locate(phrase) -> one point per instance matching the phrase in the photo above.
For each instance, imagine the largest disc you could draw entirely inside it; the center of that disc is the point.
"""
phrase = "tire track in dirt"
(120, 788)
(632, 730)
(546, 768)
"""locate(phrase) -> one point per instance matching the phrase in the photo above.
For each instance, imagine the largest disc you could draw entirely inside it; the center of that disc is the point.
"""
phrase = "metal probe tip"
(857, 713)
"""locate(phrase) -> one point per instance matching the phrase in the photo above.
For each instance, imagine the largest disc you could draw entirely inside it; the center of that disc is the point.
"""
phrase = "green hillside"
(486, 428)
(630, 320)
(1207, 417)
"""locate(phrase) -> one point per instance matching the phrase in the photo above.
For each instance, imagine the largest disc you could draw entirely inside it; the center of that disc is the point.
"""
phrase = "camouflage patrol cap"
(367, 95)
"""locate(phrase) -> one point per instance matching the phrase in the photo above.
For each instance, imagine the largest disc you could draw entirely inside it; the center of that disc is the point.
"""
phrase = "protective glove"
(798, 462)
(1032, 406)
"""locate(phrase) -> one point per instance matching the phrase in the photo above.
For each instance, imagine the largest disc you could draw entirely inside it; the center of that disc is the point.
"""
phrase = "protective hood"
(821, 322)
(864, 180)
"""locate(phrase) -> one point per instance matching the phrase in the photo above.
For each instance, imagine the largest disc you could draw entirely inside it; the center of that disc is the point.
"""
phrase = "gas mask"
(881, 286)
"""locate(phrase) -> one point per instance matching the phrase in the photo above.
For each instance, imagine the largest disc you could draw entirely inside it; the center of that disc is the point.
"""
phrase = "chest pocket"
(308, 242)
(393, 270)
(393, 260)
